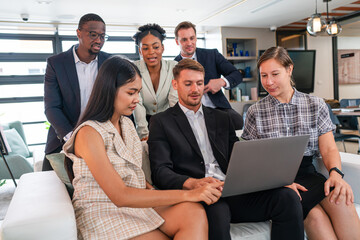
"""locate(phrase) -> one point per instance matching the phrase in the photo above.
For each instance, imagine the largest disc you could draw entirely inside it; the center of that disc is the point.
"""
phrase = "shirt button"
(154, 103)
(154, 110)
(202, 163)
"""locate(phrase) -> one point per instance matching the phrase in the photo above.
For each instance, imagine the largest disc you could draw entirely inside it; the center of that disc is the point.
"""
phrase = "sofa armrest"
(40, 209)
(350, 164)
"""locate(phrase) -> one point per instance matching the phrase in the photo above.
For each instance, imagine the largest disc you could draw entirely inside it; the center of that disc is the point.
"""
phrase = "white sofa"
(41, 208)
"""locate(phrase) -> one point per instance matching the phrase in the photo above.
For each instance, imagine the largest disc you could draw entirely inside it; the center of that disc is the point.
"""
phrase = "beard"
(193, 103)
(91, 52)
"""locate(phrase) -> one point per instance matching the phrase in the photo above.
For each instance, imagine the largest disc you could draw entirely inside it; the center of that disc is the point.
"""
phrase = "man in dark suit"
(69, 79)
(215, 65)
(190, 145)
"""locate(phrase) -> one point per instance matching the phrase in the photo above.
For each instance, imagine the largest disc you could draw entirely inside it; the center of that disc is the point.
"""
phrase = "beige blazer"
(96, 216)
(151, 102)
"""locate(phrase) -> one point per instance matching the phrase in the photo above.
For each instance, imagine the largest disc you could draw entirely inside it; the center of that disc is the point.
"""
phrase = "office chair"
(349, 102)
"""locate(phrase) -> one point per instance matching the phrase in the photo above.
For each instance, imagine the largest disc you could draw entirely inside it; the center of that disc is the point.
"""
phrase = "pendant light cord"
(327, 10)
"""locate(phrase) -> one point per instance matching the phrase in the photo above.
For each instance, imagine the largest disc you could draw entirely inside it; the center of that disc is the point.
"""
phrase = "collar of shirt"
(295, 99)
(192, 57)
(190, 113)
(77, 59)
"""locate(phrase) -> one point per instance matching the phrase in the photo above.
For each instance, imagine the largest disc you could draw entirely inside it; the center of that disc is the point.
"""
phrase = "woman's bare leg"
(318, 225)
(184, 221)
(345, 221)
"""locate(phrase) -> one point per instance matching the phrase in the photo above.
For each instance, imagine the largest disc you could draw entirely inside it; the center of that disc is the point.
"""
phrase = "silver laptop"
(263, 164)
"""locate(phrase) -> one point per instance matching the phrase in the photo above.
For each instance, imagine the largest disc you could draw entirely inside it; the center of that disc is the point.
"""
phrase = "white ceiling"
(167, 13)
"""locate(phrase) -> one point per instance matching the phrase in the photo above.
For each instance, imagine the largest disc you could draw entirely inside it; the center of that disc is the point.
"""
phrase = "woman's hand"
(296, 187)
(331, 157)
(342, 190)
(208, 193)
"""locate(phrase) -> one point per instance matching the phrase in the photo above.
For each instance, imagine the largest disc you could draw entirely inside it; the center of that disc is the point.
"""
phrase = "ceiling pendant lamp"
(332, 28)
(315, 23)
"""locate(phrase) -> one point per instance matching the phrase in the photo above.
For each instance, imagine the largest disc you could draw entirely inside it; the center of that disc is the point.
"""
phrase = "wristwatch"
(337, 170)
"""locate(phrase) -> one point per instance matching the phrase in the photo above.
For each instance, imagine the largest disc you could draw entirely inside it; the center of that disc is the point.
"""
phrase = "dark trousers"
(281, 205)
(236, 118)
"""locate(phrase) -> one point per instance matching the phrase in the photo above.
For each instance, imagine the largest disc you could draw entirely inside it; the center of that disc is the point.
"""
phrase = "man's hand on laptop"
(193, 183)
(296, 187)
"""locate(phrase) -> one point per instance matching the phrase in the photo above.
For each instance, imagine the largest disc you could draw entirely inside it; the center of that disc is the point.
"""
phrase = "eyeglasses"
(94, 35)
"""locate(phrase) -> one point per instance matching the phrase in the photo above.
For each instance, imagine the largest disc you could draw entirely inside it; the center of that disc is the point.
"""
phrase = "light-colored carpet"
(6, 192)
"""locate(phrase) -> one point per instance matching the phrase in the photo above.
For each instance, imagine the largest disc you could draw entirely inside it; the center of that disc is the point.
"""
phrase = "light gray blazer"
(151, 102)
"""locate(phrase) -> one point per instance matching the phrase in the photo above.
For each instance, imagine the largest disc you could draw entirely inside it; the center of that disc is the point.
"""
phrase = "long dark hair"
(113, 73)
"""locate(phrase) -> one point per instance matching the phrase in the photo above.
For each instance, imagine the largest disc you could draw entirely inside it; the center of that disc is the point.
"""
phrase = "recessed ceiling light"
(44, 1)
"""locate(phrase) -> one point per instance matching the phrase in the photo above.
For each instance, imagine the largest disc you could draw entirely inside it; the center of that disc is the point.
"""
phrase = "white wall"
(324, 82)
(349, 90)
(265, 38)
(213, 38)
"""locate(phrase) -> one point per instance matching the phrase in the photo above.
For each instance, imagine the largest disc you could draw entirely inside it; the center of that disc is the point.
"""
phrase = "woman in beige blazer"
(112, 199)
(157, 93)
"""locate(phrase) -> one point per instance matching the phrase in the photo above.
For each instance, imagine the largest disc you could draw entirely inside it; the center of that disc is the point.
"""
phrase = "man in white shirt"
(69, 79)
(215, 66)
(190, 146)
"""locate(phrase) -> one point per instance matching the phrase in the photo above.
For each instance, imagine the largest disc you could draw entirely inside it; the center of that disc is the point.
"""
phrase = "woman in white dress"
(157, 93)
(112, 199)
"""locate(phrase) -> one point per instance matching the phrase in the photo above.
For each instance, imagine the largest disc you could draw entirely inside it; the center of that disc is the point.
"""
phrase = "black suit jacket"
(216, 65)
(173, 150)
(62, 96)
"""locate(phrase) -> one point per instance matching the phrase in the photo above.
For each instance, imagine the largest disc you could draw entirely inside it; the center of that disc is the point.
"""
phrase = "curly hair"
(153, 29)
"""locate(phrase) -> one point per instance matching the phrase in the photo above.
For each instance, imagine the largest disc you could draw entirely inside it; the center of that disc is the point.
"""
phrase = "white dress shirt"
(86, 73)
(205, 98)
(197, 123)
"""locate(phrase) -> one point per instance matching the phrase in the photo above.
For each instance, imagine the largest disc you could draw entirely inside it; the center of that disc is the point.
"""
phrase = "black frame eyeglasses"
(94, 35)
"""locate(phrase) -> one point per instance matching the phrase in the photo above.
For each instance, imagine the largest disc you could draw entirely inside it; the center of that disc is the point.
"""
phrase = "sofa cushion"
(250, 230)
(57, 161)
(16, 143)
